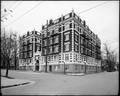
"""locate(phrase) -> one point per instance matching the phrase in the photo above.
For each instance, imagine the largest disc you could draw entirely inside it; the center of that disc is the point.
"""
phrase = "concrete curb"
(15, 85)
(8, 82)
(76, 74)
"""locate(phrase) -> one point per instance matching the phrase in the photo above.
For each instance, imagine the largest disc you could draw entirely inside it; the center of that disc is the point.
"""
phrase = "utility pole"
(85, 67)
(64, 68)
(96, 68)
(46, 47)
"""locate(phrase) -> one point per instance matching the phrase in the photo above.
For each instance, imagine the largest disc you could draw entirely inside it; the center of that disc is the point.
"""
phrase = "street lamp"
(46, 48)
(85, 67)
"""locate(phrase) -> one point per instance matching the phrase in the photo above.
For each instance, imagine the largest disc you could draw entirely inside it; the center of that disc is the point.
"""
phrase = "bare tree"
(15, 50)
(8, 49)
(111, 57)
(5, 50)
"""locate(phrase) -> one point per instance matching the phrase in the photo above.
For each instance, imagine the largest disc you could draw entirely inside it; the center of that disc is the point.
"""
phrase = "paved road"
(105, 83)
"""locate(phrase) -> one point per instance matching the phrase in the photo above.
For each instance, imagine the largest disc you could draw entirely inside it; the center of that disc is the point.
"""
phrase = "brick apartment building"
(66, 43)
(69, 44)
(30, 51)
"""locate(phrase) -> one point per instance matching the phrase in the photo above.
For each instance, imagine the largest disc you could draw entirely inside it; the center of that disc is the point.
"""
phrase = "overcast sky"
(102, 20)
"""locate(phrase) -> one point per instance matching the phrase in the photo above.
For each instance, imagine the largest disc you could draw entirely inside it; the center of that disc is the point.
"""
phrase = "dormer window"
(70, 14)
(28, 33)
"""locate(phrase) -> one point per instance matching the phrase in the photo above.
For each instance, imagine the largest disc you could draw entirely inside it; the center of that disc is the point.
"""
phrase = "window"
(56, 39)
(78, 28)
(52, 31)
(56, 30)
(45, 51)
(45, 43)
(82, 67)
(59, 29)
(56, 48)
(74, 25)
(70, 25)
(50, 40)
(63, 27)
(67, 47)
(66, 67)
(70, 55)
(76, 37)
(27, 54)
(76, 47)
(55, 57)
(81, 49)
(66, 37)
(36, 47)
(35, 32)
(59, 57)
(70, 14)
(39, 48)
(76, 67)
(81, 40)
(28, 41)
(48, 34)
(48, 58)
(28, 33)
(30, 47)
(25, 48)
(63, 57)
(59, 19)
(63, 17)
(66, 57)
(35, 39)
(76, 57)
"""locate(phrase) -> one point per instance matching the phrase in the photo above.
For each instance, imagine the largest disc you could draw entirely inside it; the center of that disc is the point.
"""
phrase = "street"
(105, 83)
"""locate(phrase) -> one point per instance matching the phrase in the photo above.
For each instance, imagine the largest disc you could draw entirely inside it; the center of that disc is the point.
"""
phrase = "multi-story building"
(30, 51)
(68, 43)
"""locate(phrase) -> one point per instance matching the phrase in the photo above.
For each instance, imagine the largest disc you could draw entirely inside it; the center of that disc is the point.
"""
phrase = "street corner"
(6, 82)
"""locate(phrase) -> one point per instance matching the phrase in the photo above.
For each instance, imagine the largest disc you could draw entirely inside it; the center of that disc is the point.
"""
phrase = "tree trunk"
(15, 62)
(46, 64)
(8, 63)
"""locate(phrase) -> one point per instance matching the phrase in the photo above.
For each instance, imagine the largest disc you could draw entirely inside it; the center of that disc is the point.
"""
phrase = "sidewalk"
(6, 82)
(76, 74)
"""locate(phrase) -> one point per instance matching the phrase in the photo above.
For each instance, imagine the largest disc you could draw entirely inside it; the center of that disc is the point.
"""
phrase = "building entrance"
(37, 65)
(50, 68)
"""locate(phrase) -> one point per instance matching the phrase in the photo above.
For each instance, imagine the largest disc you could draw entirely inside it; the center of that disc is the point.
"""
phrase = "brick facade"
(78, 45)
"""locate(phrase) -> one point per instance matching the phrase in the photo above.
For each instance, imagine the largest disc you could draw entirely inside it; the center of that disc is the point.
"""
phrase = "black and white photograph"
(59, 47)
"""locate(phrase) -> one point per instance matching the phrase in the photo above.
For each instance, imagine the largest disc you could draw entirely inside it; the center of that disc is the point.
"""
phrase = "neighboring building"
(30, 51)
(68, 41)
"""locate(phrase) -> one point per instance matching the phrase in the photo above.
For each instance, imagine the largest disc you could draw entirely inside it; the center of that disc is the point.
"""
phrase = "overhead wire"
(93, 7)
(42, 2)
(25, 13)
(18, 4)
(14, 3)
